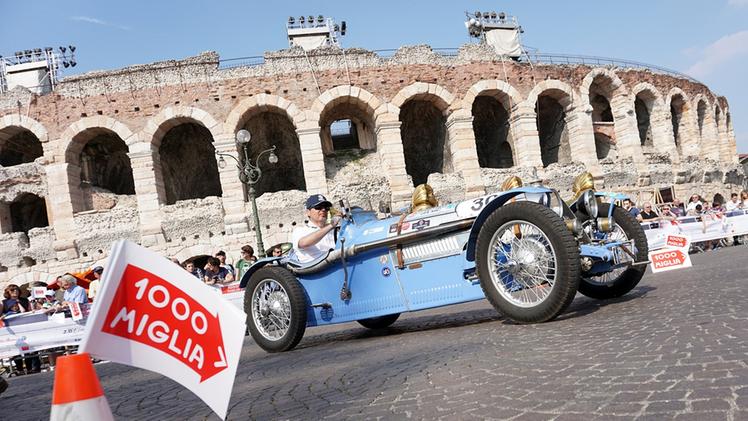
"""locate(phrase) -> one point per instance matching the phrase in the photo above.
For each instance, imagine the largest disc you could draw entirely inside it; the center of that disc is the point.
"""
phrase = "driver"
(318, 236)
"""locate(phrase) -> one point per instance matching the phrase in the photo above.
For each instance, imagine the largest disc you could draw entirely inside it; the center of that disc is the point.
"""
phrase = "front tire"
(275, 304)
(528, 262)
(380, 322)
(619, 281)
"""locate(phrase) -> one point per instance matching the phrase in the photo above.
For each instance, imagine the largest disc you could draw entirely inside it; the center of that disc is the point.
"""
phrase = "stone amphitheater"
(131, 153)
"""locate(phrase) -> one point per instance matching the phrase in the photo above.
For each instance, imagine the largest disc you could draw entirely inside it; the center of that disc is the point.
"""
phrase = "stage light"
(320, 19)
(48, 49)
(73, 63)
(342, 28)
(485, 15)
(310, 19)
(502, 15)
(477, 14)
(62, 49)
(301, 20)
(291, 20)
(66, 64)
(493, 15)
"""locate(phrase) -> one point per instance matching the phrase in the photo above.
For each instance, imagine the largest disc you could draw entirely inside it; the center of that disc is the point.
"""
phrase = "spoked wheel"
(380, 322)
(276, 309)
(622, 280)
(528, 262)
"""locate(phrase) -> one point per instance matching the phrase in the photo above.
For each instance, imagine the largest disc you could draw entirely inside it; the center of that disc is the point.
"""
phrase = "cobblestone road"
(676, 347)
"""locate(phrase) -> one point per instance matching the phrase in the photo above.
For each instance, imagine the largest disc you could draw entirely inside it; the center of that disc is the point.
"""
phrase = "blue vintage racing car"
(524, 249)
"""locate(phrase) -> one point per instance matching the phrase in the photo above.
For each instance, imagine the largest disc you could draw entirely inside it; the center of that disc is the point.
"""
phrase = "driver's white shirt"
(307, 254)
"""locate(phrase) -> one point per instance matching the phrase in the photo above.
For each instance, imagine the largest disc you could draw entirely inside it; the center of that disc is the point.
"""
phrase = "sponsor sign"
(157, 316)
(698, 228)
(678, 241)
(75, 311)
(669, 259)
(38, 292)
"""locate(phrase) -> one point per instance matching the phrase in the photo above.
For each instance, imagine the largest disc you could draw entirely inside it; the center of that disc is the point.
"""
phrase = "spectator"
(93, 287)
(248, 254)
(50, 301)
(733, 203)
(221, 256)
(73, 292)
(631, 208)
(13, 292)
(175, 261)
(677, 209)
(196, 272)
(648, 214)
(744, 199)
(277, 251)
(694, 201)
(215, 273)
(667, 213)
(696, 210)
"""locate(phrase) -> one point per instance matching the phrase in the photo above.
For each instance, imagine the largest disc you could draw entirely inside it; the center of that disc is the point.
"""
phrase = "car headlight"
(587, 204)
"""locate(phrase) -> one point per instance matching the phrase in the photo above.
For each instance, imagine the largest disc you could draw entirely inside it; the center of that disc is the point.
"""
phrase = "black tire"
(625, 281)
(380, 322)
(274, 284)
(561, 246)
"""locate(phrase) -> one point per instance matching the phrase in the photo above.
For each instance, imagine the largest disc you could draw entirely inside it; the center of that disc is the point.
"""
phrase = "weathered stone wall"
(289, 101)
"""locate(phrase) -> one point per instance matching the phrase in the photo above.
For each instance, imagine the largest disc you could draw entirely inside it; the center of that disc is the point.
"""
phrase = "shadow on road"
(585, 306)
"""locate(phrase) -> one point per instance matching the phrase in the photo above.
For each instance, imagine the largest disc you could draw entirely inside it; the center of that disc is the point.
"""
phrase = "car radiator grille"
(434, 249)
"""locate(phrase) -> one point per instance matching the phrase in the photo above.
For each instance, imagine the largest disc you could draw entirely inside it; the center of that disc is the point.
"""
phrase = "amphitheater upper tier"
(130, 153)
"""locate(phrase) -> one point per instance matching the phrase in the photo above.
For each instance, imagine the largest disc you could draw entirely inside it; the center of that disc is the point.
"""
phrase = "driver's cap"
(317, 199)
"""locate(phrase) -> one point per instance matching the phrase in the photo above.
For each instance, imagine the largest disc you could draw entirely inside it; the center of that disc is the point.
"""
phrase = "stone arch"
(678, 103)
(249, 107)
(22, 140)
(184, 172)
(701, 107)
(604, 92)
(652, 118)
(346, 103)
(439, 96)
(96, 151)
(27, 278)
(554, 103)
(423, 116)
(493, 103)
(25, 212)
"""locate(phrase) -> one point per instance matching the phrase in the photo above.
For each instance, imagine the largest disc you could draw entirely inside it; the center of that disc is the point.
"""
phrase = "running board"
(323, 305)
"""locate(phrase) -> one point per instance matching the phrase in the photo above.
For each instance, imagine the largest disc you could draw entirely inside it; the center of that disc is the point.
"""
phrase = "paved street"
(676, 347)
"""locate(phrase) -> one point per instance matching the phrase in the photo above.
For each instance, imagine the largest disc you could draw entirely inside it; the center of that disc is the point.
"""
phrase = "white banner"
(32, 332)
(697, 228)
(152, 314)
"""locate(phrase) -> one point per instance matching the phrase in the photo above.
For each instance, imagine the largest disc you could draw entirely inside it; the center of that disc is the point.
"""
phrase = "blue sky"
(708, 40)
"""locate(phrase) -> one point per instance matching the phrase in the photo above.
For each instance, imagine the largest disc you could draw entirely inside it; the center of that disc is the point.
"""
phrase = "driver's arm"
(316, 236)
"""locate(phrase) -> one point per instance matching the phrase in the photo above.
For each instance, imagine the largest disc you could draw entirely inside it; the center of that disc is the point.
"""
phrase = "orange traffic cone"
(77, 393)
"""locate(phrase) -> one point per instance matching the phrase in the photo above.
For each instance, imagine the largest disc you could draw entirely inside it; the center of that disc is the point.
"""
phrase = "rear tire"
(380, 322)
(619, 282)
(276, 308)
(528, 262)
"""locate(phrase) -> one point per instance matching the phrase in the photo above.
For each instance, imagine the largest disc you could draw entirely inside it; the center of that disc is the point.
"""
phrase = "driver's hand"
(335, 221)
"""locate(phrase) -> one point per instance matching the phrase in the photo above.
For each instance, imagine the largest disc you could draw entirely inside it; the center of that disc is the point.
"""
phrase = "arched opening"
(270, 128)
(347, 126)
(18, 146)
(99, 157)
(105, 164)
(492, 134)
(677, 109)
(701, 116)
(188, 163)
(643, 105)
(424, 134)
(28, 211)
(718, 118)
(603, 124)
(552, 130)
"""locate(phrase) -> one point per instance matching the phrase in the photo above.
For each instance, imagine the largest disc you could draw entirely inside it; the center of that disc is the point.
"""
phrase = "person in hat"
(317, 237)
(13, 292)
(93, 286)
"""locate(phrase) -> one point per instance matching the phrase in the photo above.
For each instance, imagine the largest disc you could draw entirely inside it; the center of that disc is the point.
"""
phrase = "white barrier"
(697, 228)
(33, 332)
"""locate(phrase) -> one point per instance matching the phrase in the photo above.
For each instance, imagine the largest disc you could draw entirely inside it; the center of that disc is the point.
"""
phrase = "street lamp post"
(250, 175)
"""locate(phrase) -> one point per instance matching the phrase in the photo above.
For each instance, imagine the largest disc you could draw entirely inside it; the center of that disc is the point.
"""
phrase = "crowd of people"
(217, 271)
(697, 206)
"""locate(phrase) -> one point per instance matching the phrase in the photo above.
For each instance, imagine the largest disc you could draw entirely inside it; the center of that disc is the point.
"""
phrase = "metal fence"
(531, 57)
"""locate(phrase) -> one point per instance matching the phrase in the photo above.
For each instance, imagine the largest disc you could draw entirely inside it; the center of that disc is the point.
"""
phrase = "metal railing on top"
(533, 57)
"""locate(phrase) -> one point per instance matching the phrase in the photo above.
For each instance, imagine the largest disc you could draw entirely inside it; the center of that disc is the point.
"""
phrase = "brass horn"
(423, 198)
(511, 182)
(584, 181)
